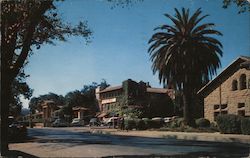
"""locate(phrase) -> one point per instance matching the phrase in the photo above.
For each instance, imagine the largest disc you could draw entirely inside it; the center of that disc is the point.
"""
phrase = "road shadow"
(19, 154)
(216, 149)
(189, 155)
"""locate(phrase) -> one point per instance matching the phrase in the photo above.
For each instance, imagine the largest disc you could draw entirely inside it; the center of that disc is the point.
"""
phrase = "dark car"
(60, 123)
(17, 130)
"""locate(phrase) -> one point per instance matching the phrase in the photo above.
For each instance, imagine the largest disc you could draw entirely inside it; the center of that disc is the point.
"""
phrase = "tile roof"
(108, 89)
(157, 90)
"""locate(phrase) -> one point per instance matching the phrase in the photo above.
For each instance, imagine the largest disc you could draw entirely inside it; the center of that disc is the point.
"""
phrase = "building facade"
(229, 92)
(48, 110)
(132, 94)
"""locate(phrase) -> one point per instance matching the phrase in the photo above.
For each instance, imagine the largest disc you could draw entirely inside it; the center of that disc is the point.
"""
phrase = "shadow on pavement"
(189, 155)
(19, 154)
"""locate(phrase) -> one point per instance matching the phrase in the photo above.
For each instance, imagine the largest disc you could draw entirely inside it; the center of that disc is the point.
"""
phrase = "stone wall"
(228, 96)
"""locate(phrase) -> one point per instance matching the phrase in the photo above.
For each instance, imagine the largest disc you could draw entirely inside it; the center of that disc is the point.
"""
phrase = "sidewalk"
(214, 137)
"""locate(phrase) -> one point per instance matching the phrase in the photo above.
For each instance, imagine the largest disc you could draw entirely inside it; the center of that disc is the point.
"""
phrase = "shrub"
(202, 122)
(148, 123)
(157, 123)
(129, 124)
(178, 122)
(245, 125)
(229, 123)
(140, 124)
(214, 127)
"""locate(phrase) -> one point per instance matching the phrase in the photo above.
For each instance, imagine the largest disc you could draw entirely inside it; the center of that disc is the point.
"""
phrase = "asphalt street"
(61, 142)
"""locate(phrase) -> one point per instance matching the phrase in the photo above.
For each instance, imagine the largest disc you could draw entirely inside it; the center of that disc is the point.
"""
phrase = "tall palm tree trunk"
(187, 107)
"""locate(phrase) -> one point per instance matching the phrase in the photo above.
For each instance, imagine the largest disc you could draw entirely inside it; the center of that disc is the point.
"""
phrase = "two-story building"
(133, 94)
(229, 92)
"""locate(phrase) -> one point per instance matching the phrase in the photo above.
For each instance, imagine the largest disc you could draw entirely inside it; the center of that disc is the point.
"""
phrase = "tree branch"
(34, 20)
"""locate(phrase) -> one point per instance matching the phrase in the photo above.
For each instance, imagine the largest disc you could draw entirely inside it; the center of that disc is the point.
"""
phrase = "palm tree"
(185, 54)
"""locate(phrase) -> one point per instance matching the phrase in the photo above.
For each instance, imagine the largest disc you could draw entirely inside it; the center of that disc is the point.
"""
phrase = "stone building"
(229, 92)
(134, 95)
(49, 109)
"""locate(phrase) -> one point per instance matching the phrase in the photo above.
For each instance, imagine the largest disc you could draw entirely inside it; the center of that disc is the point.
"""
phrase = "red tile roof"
(108, 89)
(157, 90)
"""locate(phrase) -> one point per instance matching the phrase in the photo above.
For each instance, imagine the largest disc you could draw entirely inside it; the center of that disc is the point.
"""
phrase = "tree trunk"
(5, 102)
(187, 106)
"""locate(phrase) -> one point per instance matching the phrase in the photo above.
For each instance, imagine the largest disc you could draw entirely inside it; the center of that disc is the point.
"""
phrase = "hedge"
(140, 124)
(245, 125)
(229, 123)
(148, 123)
(178, 122)
(129, 124)
(202, 122)
(157, 123)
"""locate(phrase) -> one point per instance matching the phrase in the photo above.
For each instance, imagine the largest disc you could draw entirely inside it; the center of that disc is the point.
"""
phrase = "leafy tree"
(185, 54)
(159, 106)
(35, 102)
(26, 25)
(19, 87)
(243, 5)
(85, 97)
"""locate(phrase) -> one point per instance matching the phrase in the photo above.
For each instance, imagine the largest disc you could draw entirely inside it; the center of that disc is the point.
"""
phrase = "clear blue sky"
(118, 50)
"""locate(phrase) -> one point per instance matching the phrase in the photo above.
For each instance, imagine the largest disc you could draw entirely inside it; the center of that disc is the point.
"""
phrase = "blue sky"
(118, 50)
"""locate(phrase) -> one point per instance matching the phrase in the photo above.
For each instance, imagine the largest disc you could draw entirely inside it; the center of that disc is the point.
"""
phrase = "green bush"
(129, 124)
(157, 123)
(229, 123)
(148, 123)
(202, 122)
(140, 124)
(178, 122)
(245, 125)
(214, 127)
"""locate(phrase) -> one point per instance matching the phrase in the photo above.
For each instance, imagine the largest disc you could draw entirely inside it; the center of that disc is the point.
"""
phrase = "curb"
(211, 137)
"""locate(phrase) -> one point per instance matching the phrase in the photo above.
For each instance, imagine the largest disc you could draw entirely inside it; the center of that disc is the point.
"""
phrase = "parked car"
(167, 119)
(157, 119)
(17, 130)
(60, 123)
(77, 122)
(94, 122)
(110, 121)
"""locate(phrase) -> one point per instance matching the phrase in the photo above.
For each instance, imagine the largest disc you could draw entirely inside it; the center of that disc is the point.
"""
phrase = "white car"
(110, 121)
(77, 122)
(167, 119)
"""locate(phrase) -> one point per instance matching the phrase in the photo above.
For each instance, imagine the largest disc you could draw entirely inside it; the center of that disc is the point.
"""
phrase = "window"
(224, 112)
(241, 109)
(243, 82)
(216, 107)
(234, 85)
(223, 106)
(241, 112)
(216, 114)
(241, 105)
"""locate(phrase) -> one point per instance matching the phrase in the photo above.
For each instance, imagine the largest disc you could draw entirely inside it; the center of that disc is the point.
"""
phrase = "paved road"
(60, 142)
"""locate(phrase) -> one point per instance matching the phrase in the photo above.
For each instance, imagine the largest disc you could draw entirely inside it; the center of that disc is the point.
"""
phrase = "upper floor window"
(234, 85)
(223, 106)
(243, 82)
(216, 107)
